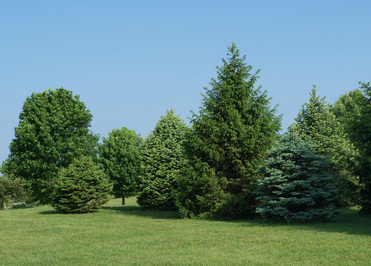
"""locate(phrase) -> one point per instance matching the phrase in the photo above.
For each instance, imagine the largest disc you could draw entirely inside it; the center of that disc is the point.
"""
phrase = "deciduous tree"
(52, 131)
(119, 154)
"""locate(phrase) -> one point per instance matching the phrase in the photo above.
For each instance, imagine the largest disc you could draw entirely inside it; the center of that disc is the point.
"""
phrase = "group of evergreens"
(230, 163)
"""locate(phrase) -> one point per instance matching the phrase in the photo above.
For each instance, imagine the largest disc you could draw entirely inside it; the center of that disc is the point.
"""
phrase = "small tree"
(11, 189)
(81, 187)
(296, 184)
(227, 142)
(119, 155)
(53, 130)
(161, 161)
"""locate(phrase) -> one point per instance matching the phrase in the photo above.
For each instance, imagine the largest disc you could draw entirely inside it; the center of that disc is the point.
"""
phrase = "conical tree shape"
(296, 184)
(231, 134)
(161, 161)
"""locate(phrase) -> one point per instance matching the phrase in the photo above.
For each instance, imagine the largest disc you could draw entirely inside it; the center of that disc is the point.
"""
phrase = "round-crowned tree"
(81, 187)
(119, 154)
(296, 185)
(161, 161)
(53, 130)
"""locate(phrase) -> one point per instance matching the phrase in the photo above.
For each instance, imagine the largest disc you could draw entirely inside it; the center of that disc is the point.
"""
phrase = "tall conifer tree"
(316, 122)
(229, 138)
(160, 163)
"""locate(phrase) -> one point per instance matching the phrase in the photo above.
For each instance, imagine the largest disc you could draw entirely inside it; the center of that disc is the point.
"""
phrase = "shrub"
(81, 187)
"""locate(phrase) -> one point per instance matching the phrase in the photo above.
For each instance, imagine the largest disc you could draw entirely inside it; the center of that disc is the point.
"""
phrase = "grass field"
(119, 235)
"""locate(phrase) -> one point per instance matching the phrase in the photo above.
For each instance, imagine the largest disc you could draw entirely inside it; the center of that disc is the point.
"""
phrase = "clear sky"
(130, 61)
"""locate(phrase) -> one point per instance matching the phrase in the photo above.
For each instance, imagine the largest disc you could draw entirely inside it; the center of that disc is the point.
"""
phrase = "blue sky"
(130, 61)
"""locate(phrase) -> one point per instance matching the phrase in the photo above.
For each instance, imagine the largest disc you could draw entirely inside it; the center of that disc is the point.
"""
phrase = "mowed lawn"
(117, 235)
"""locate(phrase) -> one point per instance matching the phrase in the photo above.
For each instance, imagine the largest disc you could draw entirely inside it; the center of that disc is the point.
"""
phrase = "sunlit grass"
(131, 235)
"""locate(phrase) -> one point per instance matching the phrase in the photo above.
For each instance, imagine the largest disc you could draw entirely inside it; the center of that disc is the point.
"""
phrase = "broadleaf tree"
(161, 161)
(52, 131)
(229, 138)
(119, 154)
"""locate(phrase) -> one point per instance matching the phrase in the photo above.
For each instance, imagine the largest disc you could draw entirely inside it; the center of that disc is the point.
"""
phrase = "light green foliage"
(296, 184)
(81, 187)
(161, 161)
(11, 189)
(119, 155)
(229, 138)
(53, 130)
(355, 111)
(317, 122)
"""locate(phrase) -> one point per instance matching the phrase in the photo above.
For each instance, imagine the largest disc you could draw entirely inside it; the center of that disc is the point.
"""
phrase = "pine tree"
(296, 184)
(229, 138)
(160, 163)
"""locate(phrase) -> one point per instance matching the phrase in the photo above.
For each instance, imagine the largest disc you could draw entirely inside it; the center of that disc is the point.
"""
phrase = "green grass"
(130, 235)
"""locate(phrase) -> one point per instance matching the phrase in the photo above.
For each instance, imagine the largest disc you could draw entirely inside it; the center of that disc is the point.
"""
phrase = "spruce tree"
(160, 163)
(296, 184)
(229, 138)
(81, 187)
(317, 122)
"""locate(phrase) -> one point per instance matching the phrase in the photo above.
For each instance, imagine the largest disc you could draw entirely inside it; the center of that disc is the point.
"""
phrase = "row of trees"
(230, 163)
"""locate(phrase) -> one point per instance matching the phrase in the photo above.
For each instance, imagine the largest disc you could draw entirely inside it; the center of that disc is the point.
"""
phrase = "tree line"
(230, 163)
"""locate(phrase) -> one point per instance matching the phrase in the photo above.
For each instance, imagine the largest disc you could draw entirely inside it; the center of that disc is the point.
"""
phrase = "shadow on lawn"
(349, 221)
(141, 212)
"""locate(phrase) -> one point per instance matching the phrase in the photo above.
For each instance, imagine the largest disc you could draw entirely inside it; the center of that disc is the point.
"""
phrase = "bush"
(11, 189)
(81, 187)
(296, 184)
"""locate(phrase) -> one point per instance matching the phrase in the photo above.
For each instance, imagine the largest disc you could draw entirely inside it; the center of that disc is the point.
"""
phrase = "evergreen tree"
(53, 130)
(119, 155)
(81, 187)
(161, 160)
(317, 122)
(296, 184)
(229, 138)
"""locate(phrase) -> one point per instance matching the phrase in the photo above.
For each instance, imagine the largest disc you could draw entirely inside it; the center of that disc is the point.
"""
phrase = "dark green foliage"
(119, 155)
(296, 184)
(161, 161)
(317, 122)
(53, 130)
(81, 187)
(11, 189)
(228, 140)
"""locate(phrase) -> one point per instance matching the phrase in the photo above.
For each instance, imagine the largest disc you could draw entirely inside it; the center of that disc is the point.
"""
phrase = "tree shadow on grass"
(141, 212)
(349, 221)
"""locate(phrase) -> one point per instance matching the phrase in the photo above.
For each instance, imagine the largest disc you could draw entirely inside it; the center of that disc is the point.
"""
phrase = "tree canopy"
(119, 154)
(52, 131)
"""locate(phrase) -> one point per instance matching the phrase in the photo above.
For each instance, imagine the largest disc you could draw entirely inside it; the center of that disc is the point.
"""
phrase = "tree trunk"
(123, 200)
